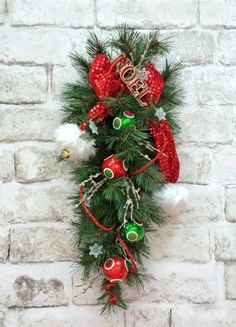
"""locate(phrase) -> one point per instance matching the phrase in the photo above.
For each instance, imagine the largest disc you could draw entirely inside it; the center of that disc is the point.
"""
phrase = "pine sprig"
(137, 47)
(172, 93)
(80, 63)
(96, 46)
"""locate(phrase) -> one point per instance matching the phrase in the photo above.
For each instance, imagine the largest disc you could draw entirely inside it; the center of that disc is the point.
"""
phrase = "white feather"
(70, 137)
(171, 195)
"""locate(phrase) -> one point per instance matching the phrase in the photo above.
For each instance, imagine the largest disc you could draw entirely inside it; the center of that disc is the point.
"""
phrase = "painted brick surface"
(194, 256)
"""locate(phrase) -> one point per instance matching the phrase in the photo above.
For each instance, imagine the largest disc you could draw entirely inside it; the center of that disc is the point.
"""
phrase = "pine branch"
(152, 47)
(95, 46)
(80, 64)
(172, 93)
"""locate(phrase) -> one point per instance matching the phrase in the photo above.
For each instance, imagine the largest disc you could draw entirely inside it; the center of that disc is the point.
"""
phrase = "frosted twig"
(145, 156)
(90, 179)
(149, 40)
(95, 186)
(94, 189)
(148, 145)
(89, 285)
(135, 192)
(128, 205)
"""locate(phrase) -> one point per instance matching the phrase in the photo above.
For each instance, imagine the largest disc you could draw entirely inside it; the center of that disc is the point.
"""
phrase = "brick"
(70, 76)
(68, 317)
(231, 204)
(195, 165)
(34, 286)
(197, 316)
(226, 47)
(36, 164)
(182, 244)
(85, 294)
(149, 13)
(43, 12)
(218, 13)
(203, 53)
(230, 281)
(207, 128)
(7, 171)
(148, 316)
(23, 84)
(4, 243)
(212, 87)
(225, 243)
(223, 160)
(2, 318)
(38, 46)
(25, 124)
(180, 283)
(2, 10)
(20, 203)
(189, 85)
(205, 204)
(41, 244)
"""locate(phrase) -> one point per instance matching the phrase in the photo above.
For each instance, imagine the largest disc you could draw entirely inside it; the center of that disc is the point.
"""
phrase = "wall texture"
(194, 257)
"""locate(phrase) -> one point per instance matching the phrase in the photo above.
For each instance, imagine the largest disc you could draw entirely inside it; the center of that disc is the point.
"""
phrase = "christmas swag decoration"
(119, 122)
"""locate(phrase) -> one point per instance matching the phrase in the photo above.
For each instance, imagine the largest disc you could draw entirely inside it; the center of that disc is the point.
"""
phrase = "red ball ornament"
(113, 167)
(115, 269)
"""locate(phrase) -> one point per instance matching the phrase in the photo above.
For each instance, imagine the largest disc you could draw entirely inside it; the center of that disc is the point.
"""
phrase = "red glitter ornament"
(113, 167)
(115, 269)
(168, 159)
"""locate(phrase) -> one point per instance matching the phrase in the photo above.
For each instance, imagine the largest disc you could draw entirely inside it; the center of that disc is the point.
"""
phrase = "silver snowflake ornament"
(95, 250)
(160, 113)
(143, 74)
(93, 127)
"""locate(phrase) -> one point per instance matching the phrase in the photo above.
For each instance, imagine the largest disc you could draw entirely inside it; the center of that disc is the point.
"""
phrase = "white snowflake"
(93, 127)
(143, 74)
(95, 250)
(160, 113)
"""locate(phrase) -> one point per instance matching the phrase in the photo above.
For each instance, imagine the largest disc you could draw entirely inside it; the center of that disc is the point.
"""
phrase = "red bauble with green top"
(114, 167)
(115, 269)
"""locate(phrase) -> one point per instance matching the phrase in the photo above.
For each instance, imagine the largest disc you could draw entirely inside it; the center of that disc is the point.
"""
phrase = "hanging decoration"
(118, 131)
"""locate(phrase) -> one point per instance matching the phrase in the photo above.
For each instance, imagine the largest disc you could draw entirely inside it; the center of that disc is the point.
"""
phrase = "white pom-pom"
(70, 138)
(171, 195)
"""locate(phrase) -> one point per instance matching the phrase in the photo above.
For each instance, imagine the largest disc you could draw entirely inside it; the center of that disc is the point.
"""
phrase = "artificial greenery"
(129, 143)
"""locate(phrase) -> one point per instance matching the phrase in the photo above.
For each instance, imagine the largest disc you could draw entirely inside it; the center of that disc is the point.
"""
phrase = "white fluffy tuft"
(171, 195)
(70, 137)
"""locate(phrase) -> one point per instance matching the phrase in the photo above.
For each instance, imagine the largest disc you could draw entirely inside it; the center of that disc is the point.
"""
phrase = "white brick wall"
(194, 257)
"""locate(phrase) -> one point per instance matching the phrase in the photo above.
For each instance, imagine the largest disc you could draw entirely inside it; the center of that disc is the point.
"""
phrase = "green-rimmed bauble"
(122, 121)
(133, 231)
